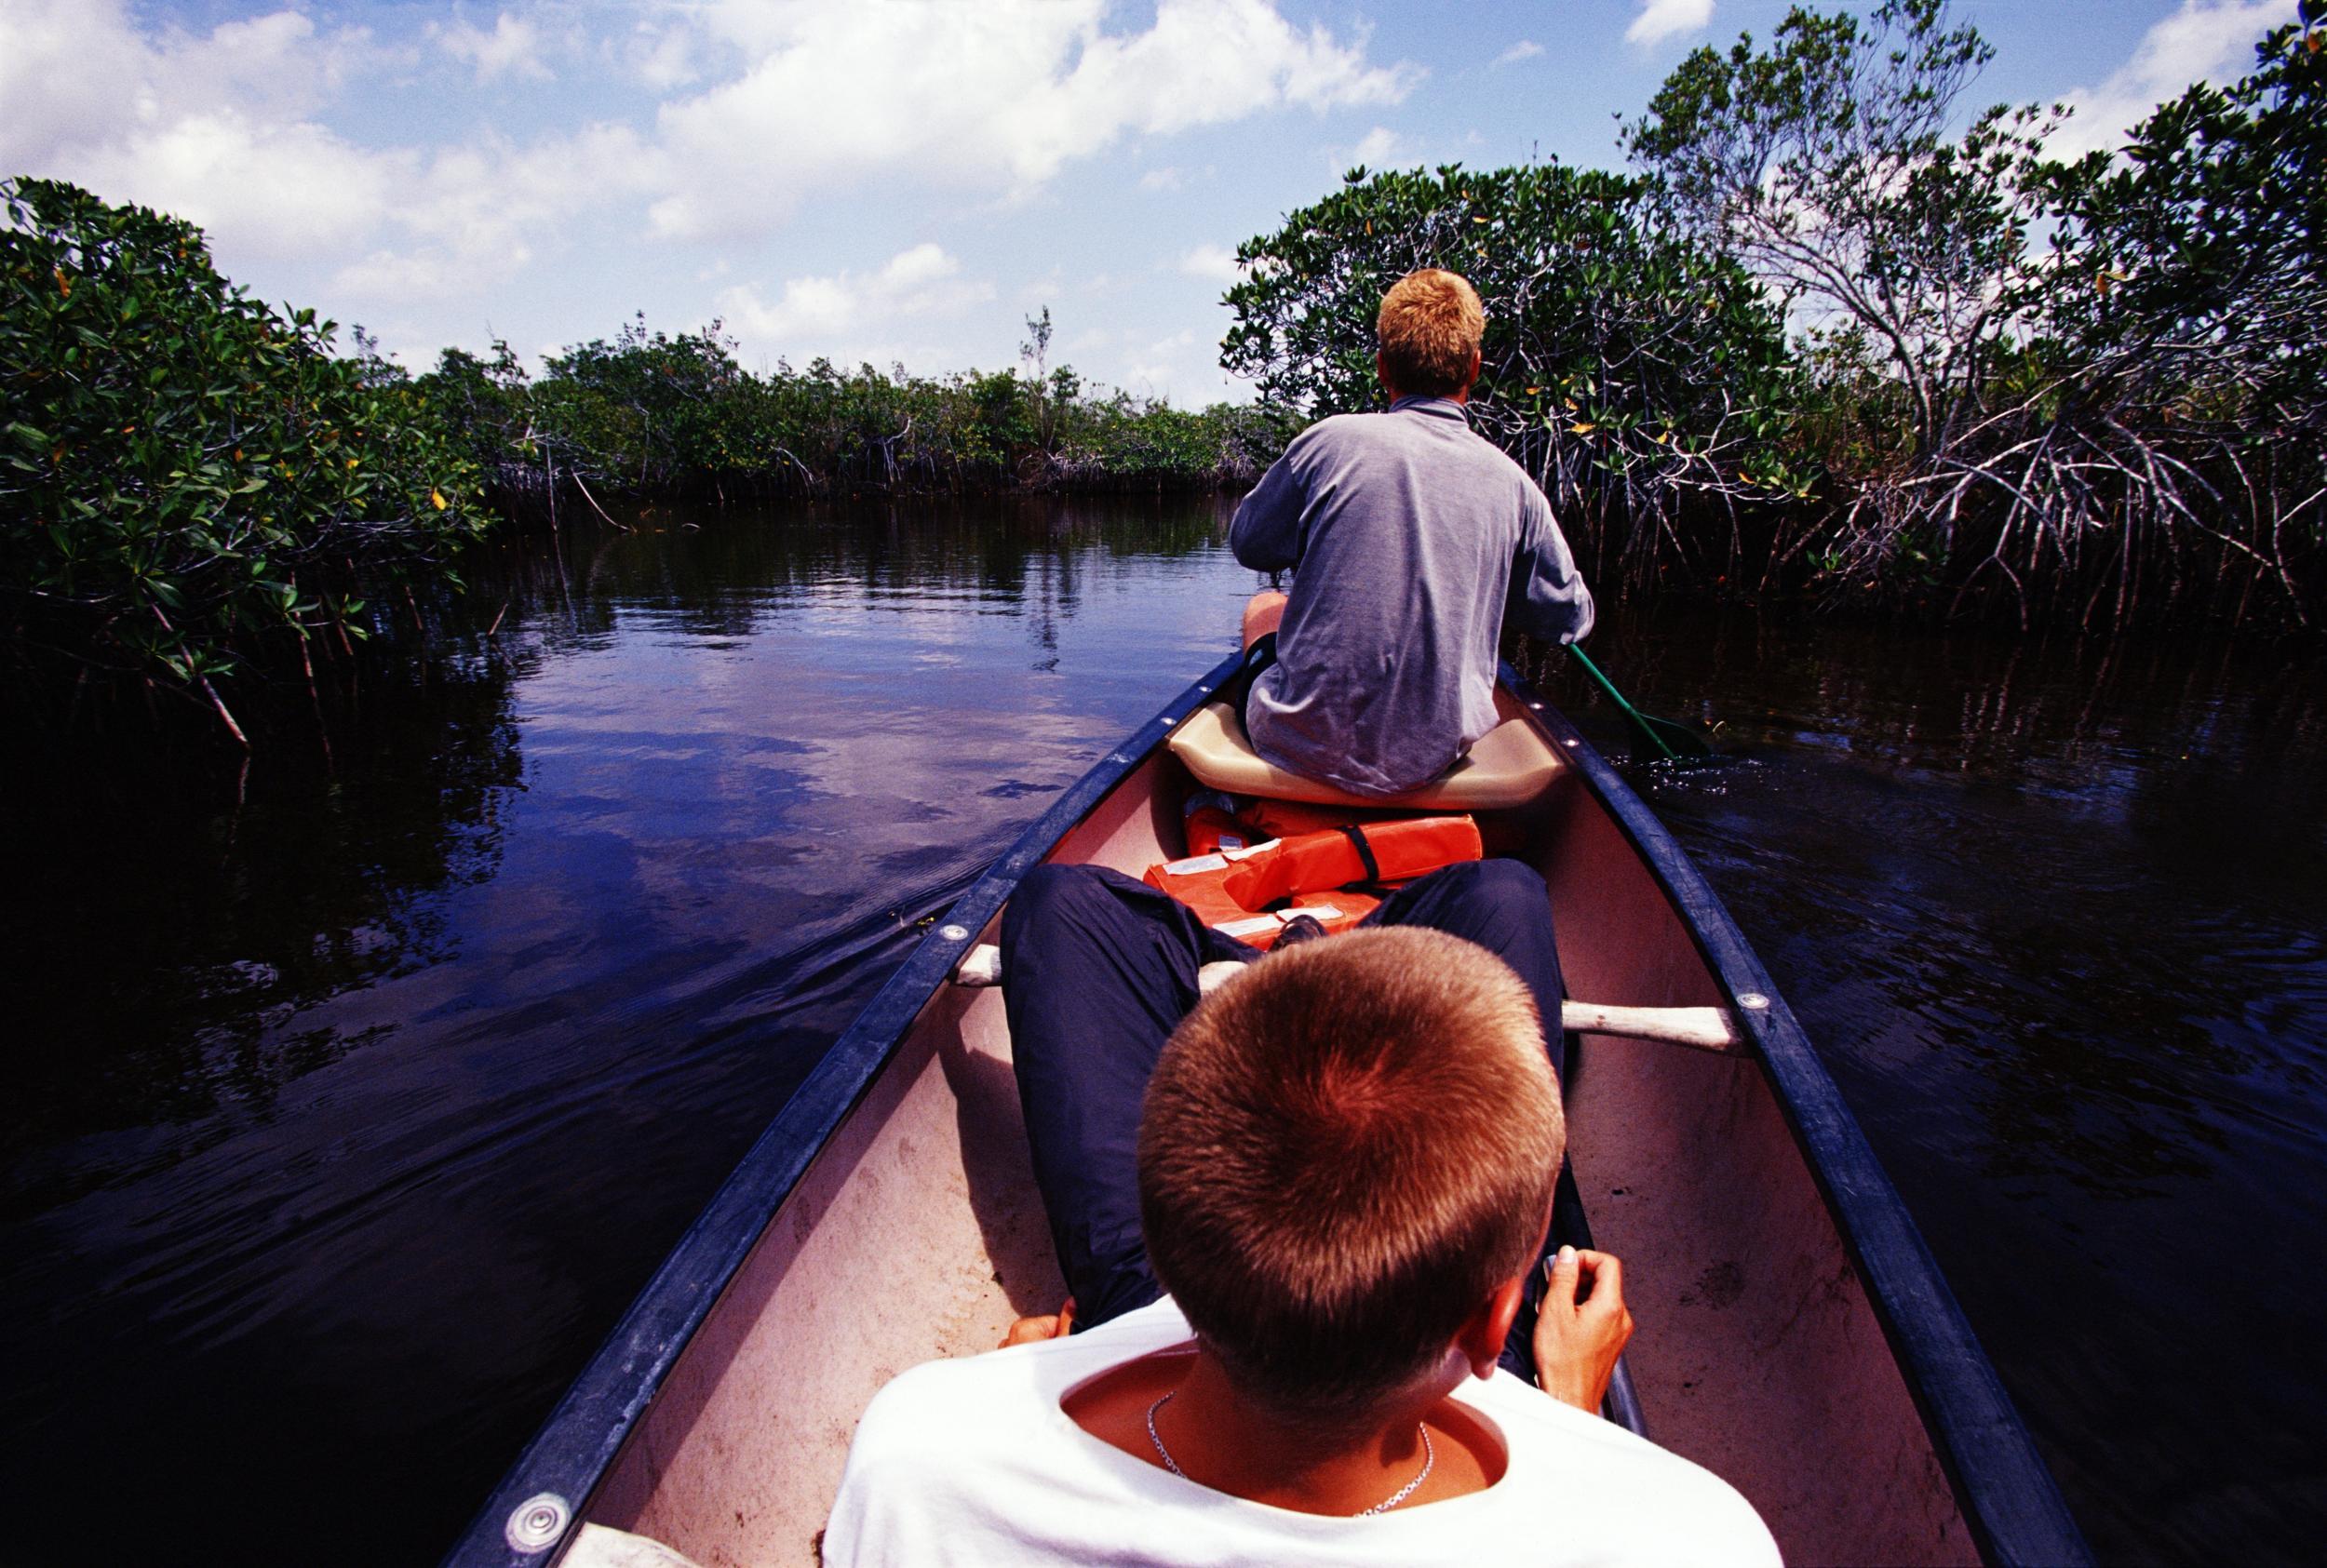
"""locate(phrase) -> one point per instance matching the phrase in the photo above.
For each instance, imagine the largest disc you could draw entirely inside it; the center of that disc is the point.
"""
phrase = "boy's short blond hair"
(1429, 329)
(1343, 1153)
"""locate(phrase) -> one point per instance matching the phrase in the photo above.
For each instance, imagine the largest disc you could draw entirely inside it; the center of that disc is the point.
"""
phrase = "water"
(2057, 921)
(348, 1116)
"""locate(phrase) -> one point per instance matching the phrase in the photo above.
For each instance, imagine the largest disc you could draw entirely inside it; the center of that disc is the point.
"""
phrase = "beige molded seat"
(1511, 765)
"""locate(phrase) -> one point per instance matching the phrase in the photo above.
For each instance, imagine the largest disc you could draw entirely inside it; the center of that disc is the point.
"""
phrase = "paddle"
(1568, 1224)
(1676, 742)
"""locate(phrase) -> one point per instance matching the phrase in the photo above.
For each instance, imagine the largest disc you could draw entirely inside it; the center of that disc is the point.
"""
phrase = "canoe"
(1795, 1336)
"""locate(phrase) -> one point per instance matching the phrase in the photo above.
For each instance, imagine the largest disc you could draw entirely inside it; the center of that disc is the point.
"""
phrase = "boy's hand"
(1050, 1325)
(1582, 1327)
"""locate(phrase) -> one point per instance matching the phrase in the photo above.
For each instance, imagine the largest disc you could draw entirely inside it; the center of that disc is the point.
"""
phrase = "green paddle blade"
(1673, 740)
(1679, 740)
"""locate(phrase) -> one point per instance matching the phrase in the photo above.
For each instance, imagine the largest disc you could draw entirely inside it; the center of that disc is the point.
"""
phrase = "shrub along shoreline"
(188, 477)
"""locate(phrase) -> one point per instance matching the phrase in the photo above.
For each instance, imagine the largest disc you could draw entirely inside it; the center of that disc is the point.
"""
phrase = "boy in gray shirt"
(1408, 534)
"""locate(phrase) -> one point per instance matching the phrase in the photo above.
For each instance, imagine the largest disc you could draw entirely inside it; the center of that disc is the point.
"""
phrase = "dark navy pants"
(1101, 968)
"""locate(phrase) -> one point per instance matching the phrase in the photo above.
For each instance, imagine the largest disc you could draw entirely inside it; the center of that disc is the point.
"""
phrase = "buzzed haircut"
(1430, 325)
(1343, 1153)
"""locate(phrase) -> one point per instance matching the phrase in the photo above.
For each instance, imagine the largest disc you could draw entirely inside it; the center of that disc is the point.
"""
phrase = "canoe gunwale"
(578, 1443)
(2005, 1491)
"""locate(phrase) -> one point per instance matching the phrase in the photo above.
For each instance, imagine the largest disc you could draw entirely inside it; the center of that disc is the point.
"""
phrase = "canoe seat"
(1510, 766)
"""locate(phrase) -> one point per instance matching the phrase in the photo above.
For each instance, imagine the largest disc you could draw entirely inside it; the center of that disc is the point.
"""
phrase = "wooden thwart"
(1705, 1028)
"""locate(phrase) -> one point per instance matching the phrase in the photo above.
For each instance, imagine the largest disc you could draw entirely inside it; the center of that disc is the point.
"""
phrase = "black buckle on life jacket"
(1357, 836)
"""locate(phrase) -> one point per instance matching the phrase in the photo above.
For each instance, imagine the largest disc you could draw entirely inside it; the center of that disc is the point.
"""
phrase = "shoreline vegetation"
(1812, 347)
(652, 416)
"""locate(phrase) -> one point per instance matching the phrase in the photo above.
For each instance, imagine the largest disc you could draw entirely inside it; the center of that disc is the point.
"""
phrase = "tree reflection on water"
(163, 931)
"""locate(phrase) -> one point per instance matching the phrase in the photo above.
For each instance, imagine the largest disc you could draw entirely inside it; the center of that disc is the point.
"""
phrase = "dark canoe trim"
(2002, 1485)
(578, 1442)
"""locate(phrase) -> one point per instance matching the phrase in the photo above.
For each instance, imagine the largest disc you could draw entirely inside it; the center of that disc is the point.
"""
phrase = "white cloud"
(360, 171)
(1214, 263)
(662, 58)
(474, 214)
(1378, 148)
(513, 47)
(2206, 40)
(1041, 289)
(1660, 20)
(388, 275)
(76, 74)
(1525, 48)
(270, 190)
(994, 96)
(847, 306)
(1160, 358)
(1184, 367)
(209, 127)
(227, 127)
(221, 129)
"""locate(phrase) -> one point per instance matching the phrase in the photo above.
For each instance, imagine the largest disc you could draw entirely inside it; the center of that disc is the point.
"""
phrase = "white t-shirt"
(974, 1462)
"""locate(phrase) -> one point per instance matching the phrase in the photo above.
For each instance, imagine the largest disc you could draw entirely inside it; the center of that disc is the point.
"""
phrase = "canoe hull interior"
(916, 1233)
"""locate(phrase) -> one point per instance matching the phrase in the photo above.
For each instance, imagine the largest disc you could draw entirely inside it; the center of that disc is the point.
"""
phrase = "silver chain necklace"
(1430, 1457)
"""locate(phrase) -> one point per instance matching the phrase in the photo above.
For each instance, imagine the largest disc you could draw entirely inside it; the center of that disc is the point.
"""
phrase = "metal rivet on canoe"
(537, 1523)
(954, 934)
(1753, 1000)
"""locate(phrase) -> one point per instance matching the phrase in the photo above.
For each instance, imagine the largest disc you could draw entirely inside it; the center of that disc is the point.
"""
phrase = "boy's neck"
(1226, 1442)
(1220, 1439)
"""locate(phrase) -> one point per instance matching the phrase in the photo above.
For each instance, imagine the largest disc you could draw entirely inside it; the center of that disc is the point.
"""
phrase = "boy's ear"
(1480, 1340)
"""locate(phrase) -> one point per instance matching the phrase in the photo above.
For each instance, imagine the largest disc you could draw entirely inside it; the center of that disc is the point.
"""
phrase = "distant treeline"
(1814, 342)
(655, 414)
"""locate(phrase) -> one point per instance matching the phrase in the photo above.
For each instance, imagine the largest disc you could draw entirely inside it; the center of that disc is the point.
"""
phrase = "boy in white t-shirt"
(1345, 1165)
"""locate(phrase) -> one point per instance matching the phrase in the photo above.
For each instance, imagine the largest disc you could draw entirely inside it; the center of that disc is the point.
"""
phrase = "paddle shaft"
(1639, 720)
(1569, 1227)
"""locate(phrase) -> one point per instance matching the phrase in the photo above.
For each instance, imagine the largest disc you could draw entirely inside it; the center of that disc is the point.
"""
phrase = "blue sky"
(881, 180)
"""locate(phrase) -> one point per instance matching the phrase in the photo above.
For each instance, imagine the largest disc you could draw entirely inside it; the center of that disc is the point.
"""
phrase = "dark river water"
(343, 1118)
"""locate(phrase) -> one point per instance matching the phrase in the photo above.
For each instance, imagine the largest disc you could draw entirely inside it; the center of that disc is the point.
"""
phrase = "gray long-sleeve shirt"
(1408, 534)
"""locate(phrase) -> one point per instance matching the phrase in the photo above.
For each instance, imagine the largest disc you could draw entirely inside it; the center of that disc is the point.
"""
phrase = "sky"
(882, 180)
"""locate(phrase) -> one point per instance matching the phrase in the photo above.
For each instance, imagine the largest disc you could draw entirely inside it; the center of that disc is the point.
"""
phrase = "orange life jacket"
(1201, 882)
(1288, 819)
(1233, 887)
(1215, 823)
(1374, 851)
